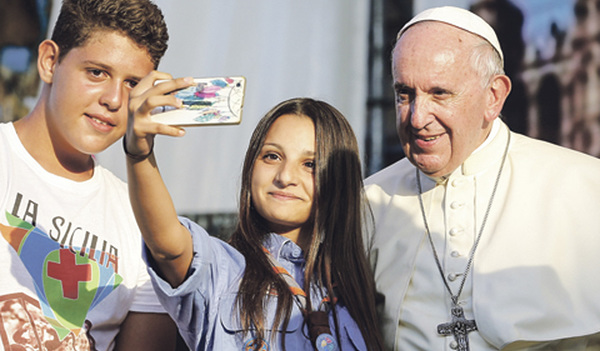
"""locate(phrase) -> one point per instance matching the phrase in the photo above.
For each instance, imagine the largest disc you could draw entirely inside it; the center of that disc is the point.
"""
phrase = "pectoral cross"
(459, 327)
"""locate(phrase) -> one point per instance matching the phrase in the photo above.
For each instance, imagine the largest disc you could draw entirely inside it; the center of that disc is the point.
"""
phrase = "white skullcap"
(460, 18)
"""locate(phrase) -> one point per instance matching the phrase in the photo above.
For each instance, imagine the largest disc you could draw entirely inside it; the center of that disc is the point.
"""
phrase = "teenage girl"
(294, 274)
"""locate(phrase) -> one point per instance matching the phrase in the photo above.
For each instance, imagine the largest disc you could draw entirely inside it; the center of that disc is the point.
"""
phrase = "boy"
(70, 250)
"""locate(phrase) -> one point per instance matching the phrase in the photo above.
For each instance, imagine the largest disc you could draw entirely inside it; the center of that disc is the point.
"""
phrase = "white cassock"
(535, 278)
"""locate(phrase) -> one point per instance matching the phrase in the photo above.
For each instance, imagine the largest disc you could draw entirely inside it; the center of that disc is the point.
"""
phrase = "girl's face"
(282, 184)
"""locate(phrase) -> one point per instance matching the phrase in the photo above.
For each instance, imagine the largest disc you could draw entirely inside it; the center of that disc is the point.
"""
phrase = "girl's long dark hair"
(336, 258)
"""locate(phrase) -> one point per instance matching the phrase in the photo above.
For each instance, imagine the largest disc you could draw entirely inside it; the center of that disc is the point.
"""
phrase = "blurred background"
(334, 50)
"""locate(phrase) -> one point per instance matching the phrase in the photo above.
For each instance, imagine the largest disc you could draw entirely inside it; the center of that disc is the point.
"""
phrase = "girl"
(294, 274)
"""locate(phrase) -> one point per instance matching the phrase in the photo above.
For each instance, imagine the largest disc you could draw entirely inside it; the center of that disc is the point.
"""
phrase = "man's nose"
(420, 113)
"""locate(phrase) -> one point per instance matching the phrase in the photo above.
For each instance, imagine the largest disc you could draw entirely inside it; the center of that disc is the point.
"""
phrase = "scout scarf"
(317, 321)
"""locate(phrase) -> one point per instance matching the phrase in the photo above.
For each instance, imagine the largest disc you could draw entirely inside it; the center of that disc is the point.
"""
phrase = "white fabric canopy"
(285, 49)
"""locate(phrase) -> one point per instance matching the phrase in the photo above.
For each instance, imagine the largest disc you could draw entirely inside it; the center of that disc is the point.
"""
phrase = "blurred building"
(557, 94)
(564, 89)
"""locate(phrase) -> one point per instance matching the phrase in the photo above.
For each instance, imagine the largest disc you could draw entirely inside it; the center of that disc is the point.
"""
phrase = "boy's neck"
(35, 137)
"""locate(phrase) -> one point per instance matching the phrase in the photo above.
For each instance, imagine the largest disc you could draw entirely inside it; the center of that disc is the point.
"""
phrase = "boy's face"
(87, 105)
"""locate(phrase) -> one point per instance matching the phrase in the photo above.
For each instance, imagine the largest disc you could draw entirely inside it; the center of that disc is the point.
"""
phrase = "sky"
(536, 29)
(539, 15)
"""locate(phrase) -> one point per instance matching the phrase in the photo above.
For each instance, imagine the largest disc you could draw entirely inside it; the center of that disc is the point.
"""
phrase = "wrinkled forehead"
(433, 54)
(428, 40)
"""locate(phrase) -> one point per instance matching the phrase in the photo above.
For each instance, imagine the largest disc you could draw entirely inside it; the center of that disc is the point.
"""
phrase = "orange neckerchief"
(317, 321)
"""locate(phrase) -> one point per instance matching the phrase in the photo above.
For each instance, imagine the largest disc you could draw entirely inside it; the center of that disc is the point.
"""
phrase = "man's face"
(440, 99)
(87, 105)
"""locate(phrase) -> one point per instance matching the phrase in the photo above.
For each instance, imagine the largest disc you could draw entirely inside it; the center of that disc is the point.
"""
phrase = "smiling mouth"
(284, 196)
(427, 138)
(99, 121)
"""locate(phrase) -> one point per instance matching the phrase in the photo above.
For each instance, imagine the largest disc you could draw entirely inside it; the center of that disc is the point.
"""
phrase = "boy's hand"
(144, 98)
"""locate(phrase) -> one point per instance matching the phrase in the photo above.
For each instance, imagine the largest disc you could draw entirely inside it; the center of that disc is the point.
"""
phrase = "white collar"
(490, 137)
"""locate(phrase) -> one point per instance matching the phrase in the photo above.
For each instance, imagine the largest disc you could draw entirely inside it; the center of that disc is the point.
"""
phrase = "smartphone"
(211, 101)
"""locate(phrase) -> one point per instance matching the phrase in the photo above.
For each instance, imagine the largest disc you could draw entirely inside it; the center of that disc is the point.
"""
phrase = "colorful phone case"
(212, 101)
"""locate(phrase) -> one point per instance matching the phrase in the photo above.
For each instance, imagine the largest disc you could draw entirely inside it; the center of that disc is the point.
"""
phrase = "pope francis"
(484, 239)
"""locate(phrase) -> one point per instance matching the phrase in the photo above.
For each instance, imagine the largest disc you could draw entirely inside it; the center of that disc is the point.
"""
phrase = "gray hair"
(486, 61)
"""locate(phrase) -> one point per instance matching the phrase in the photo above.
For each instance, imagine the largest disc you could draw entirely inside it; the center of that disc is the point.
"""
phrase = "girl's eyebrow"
(278, 146)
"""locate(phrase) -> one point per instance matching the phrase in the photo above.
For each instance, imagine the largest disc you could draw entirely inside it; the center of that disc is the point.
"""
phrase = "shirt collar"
(489, 153)
(283, 248)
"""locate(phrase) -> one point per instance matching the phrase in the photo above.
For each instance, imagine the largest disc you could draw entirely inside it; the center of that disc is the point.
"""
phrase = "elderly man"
(485, 239)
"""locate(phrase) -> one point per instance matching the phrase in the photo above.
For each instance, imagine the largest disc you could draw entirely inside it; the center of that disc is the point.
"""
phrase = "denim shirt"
(204, 307)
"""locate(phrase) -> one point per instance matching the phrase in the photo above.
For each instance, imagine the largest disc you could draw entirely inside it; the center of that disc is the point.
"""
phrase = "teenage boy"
(70, 251)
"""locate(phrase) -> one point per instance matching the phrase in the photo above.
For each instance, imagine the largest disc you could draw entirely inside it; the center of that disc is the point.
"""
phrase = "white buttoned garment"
(535, 279)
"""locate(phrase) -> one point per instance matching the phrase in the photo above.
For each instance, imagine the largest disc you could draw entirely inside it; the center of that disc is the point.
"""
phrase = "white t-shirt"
(70, 256)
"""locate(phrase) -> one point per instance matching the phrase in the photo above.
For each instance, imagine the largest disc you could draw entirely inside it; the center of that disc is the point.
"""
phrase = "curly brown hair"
(140, 20)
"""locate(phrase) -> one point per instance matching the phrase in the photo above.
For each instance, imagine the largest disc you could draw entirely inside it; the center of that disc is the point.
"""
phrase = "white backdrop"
(285, 49)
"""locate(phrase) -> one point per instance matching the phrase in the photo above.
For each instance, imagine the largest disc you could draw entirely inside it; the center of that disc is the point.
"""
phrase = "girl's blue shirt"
(204, 305)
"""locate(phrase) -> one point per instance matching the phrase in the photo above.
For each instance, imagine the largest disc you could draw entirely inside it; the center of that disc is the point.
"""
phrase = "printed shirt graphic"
(68, 283)
(70, 256)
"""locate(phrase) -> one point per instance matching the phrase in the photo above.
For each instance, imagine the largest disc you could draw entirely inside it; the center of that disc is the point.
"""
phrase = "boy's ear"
(48, 52)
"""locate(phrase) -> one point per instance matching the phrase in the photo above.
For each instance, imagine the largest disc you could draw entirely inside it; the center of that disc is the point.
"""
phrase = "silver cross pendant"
(460, 327)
